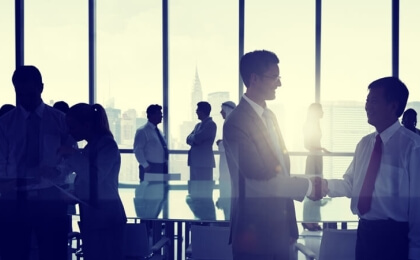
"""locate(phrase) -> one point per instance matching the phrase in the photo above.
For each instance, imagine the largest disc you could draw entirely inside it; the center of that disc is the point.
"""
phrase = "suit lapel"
(258, 125)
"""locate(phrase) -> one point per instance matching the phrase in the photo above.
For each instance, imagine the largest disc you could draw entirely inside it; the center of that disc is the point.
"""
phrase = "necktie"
(276, 140)
(32, 141)
(365, 197)
(163, 143)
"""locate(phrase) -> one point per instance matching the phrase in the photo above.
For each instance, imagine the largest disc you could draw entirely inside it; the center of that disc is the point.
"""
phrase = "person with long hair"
(314, 163)
(97, 166)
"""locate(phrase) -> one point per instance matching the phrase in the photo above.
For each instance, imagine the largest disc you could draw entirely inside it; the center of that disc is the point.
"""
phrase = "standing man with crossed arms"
(383, 179)
(201, 139)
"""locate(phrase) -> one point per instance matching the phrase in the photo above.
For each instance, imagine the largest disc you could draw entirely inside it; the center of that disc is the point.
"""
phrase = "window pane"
(286, 28)
(129, 68)
(7, 52)
(56, 41)
(410, 51)
(354, 53)
(129, 64)
(203, 65)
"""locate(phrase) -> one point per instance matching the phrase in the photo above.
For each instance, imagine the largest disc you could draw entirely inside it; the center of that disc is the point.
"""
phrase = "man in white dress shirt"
(30, 167)
(389, 224)
(150, 148)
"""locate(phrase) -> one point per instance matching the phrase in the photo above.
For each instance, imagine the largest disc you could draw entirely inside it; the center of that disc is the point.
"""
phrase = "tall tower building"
(196, 95)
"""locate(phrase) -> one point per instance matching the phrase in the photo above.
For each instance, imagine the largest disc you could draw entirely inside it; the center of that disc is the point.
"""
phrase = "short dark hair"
(62, 106)
(6, 108)
(410, 111)
(152, 109)
(204, 107)
(395, 91)
(256, 62)
(26, 73)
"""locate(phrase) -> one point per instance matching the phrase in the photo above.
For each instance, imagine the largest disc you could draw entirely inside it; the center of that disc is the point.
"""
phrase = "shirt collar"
(257, 108)
(39, 110)
(389, 132)
(207, 119)
(151, 125)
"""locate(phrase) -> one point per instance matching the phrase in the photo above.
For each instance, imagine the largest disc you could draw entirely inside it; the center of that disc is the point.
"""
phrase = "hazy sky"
(203, 35)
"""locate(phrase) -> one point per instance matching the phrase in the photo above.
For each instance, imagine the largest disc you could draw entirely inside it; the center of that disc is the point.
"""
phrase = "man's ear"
(253, 77)
(394, 106)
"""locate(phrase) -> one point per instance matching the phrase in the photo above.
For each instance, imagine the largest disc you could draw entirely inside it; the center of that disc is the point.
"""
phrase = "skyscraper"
(196, 94)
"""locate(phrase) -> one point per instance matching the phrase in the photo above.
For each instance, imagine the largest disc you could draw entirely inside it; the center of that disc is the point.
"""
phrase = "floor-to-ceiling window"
(129, 69)
(356, 48)
(203, 66)
(409, 50)
(7, 52)
(354, 53)
(56, 41)
(288, 29)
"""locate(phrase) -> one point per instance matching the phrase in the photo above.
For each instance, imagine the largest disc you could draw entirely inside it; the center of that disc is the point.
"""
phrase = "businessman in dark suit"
(201, 139)
(263, 222)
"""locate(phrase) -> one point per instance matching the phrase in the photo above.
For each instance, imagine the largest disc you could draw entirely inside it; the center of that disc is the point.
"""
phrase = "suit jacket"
(201, 140)
(263, 216)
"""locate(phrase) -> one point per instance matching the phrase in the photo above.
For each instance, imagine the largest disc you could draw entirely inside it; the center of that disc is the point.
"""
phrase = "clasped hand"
(319, 188)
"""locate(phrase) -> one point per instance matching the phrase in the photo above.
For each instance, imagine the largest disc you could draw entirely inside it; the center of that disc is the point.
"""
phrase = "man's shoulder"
(241, 113)
(11, 119)
(211, 122)
(368, 137)
(53, 111)
(55, 115)
(144, 128)
(409, 136)
(8, 116)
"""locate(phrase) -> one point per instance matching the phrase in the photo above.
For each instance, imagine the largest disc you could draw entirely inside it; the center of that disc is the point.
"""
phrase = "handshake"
(319, 188)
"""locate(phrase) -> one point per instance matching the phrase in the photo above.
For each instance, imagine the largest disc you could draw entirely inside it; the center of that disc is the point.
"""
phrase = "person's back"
(97, 167)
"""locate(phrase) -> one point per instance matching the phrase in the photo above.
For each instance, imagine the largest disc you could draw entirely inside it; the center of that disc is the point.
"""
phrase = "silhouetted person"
(409, 120)
(6, 108)
(150, 147)
(97, 166)
(30, 136)
(224, 177)
(62, 106)
(201, 139)
(314, 163)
